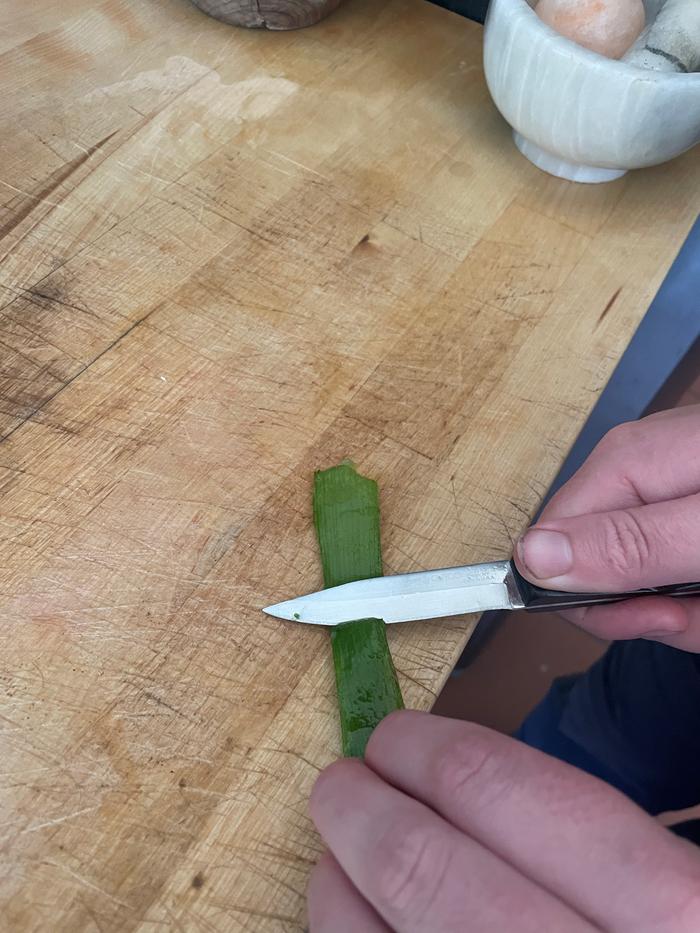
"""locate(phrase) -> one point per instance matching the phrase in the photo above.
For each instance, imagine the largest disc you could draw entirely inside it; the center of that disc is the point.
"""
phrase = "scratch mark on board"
(60, 819)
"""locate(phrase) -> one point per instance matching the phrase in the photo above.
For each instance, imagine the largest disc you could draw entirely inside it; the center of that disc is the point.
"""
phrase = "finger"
(419, 872)
(335, 906)
(644, 617)
(649, 545)
(564, 829)
(645, 461)
(674, 622)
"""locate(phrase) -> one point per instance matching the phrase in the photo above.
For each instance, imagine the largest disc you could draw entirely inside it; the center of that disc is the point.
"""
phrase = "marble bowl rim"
(589, 57)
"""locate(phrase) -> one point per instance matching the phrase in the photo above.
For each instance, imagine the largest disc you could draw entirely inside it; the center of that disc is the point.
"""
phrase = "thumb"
(616, 551)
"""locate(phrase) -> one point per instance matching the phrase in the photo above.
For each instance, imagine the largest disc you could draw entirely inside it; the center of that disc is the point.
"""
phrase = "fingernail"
(545, 554)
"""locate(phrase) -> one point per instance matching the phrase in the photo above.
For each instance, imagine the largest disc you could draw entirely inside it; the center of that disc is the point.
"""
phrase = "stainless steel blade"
(406, 597)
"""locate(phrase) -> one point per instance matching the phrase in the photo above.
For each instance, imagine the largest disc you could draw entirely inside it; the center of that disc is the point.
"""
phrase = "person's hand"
(628, 519)
(447, 826)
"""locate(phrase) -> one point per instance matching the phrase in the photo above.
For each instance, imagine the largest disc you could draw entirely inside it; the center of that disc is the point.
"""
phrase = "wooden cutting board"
(230, 258)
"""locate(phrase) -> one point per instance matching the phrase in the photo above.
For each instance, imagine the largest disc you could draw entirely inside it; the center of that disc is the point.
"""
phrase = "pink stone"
(608, 27)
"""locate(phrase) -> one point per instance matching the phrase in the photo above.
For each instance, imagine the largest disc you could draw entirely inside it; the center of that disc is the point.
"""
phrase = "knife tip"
(281, 611)
(289, 612)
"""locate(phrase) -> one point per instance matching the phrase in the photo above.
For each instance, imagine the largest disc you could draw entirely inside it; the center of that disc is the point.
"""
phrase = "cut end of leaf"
(368, 689)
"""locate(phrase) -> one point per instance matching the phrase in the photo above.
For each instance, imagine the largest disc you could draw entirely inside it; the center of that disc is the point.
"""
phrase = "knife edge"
(408, 597)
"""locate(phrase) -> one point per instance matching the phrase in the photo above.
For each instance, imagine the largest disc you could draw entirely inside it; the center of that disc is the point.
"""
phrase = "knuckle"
(410, 865)
(462, 766)
(626, 545)
(620, 437)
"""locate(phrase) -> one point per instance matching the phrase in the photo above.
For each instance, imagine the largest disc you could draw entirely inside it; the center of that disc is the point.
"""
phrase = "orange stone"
(608, 27)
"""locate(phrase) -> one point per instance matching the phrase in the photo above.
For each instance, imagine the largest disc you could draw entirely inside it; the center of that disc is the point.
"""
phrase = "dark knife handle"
(538, 600)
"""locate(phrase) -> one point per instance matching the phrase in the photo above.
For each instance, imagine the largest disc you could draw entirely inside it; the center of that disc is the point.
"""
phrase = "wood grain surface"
(270, 14)
(230, 257)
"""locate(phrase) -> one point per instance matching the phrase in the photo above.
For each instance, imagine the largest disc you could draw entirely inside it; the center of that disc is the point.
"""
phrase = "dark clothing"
(474, 9)
(632, 719)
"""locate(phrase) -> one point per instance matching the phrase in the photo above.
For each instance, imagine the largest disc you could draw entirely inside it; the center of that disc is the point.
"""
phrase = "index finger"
(418, 871)
(651, 460)
(566, 830)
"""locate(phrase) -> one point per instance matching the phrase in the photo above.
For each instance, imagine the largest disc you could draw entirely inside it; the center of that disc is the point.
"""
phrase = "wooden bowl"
(269, 14)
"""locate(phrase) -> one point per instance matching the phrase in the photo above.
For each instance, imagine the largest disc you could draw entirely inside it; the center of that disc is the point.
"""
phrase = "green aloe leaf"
(346, 515)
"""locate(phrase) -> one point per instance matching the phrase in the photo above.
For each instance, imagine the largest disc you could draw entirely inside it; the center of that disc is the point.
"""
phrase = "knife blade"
(452, 591)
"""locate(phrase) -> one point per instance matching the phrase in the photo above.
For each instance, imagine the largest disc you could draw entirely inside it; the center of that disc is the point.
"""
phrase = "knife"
(453, 591)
